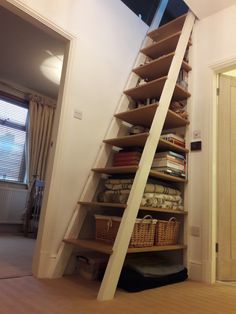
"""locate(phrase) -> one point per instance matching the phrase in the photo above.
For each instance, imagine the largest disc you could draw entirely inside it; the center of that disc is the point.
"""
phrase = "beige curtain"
(41, 112)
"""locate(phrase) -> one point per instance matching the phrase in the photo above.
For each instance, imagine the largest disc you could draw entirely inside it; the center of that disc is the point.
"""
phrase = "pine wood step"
(133, 169)
(140, 140)
(145, 208)
(158, 67)
(162, 47)
(108, 249)
(144, 116)
(168, 28)
(154, 89)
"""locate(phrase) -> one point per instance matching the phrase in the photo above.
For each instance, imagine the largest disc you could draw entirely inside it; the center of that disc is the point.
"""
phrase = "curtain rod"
(25, 95)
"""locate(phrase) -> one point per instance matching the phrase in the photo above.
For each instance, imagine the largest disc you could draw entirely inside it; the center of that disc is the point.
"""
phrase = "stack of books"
(126, 158)
(173, 138)
(171, 163)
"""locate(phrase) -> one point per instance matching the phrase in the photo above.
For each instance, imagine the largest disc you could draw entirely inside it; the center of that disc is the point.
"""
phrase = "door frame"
(216, 68)
(34, 17)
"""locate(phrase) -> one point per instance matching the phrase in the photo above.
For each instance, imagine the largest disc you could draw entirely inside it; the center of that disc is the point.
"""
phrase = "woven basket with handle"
(142, 236)
(167, 232)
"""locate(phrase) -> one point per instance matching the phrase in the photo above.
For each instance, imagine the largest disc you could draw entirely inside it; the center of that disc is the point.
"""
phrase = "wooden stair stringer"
(79, 214)
(120, 247)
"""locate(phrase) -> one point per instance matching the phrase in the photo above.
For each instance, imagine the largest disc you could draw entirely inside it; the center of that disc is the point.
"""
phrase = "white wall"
(12, 203)
(213, 44)
(107, 37)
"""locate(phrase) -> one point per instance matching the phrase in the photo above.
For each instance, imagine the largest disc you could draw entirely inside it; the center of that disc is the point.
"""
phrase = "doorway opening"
(33, 64)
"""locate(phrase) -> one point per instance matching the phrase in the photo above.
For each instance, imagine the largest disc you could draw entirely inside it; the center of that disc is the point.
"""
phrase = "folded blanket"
(149, 199)
(152, 188)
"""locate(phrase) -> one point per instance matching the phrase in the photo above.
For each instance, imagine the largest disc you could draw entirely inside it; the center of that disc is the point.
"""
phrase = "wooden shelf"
(140, 140)
(118, 205)
(133, 169)
(128, 140)
(91, 244)
(167, 177)
(115, 170)
(107, 248)
(167, 29)
(166, 145)
(153, 89)
(94, 204)
(144, 116)
(157, 248)
(162, 47)
(158, 67)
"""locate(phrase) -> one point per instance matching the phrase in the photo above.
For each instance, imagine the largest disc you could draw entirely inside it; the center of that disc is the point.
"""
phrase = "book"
(172, 136)
(171, 159)
(169, 164)
(125, 163)
(171, 171)
(169, 153)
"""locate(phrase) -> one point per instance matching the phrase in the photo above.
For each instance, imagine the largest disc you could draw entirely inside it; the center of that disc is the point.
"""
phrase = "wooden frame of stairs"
(120, 247)
(80, 212)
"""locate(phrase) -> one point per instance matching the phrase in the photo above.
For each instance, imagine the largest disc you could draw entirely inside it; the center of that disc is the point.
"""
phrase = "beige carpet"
(71, 295)
(16, 254)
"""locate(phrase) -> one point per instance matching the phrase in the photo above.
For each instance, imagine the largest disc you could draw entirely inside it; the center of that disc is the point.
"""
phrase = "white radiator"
(12, 204)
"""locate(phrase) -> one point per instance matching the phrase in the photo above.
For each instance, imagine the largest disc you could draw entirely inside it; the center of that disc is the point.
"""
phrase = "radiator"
(12, 204)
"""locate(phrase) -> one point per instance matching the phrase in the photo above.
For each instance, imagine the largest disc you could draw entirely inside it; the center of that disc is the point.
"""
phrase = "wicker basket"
(106, 228)
(167, 232)
(143, 234)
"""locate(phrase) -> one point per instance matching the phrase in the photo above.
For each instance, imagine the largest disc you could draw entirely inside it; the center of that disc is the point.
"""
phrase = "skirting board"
(195, 271)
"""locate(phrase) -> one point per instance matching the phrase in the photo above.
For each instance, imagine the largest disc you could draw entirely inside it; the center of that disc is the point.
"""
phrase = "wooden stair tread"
(108, 248)
(168, 28)
(164, 176)
(114, 170)
(158, 67)
(154, 88)
(133, 169)
(140, 140)
(144, 116)
(162, 47)
(119, 205)
(128, 140)
(91, 244)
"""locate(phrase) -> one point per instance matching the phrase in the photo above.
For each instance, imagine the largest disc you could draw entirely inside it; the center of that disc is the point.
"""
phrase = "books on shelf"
(170, 162)
(173, 138)
(126, 158)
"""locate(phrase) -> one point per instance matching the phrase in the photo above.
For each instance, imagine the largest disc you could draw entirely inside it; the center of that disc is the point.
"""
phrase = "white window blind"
(13, 118)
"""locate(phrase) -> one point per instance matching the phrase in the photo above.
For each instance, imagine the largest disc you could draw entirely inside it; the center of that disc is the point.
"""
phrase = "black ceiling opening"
(146, 9)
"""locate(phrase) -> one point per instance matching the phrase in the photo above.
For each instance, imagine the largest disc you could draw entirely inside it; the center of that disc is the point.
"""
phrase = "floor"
(23, 294)
(73, 295)
(16, 253)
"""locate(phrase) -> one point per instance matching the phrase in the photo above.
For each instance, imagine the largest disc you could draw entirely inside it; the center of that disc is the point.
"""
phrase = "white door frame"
(27, 13)
(217, 68)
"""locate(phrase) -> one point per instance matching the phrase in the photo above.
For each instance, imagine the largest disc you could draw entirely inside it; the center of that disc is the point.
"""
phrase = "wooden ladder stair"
(171, 42)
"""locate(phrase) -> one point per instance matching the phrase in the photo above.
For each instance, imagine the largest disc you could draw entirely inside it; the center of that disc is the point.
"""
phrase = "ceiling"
(204, 8)
(24, 48)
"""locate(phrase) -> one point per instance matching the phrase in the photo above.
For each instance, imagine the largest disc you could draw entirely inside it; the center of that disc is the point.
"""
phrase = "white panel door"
(226, 257)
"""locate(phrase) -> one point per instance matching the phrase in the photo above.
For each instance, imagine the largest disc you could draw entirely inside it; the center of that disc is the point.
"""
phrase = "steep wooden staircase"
(166, 47)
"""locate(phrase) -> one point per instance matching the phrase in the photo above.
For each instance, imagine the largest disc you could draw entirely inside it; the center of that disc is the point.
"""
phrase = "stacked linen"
(156, 194)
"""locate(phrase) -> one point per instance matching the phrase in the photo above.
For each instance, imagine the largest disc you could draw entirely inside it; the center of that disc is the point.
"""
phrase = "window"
(13, 130)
